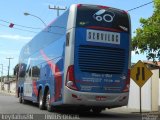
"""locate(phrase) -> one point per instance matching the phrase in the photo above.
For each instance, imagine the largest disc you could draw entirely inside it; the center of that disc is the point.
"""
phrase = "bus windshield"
(102, 17)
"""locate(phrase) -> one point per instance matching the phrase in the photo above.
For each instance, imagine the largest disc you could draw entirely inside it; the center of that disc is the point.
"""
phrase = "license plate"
(101, 98)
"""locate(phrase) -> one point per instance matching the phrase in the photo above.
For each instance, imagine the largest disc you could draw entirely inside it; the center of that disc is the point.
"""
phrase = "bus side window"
(35, 71)
(67, 38)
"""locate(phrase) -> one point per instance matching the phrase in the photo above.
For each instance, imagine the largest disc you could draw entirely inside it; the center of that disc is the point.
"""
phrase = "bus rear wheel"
(97, 110)
(48, 103)
(41, 101)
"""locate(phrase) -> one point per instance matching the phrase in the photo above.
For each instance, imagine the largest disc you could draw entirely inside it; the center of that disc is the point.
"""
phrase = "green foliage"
(147, 37)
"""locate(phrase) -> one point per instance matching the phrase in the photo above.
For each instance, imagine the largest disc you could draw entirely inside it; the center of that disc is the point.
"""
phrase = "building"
(9, 85)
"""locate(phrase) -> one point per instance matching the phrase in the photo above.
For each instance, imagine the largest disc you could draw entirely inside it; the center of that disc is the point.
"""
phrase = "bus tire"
(83, 109)
(96, 110)
(48, 103)
(41, 101)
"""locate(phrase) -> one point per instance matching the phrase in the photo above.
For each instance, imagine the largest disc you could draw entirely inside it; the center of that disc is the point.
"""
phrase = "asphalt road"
(11, 109)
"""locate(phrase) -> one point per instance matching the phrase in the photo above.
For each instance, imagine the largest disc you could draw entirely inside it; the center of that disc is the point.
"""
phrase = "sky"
(12, 11)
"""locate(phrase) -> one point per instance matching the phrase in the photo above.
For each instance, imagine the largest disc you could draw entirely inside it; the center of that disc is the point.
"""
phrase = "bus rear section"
(98, 58)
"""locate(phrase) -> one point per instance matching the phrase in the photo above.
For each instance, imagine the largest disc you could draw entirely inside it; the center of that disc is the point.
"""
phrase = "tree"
(147, 37)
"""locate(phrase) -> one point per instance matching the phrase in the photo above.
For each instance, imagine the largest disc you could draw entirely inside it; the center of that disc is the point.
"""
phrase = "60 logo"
(103, 15)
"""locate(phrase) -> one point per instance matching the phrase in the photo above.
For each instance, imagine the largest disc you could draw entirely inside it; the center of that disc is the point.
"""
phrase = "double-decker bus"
(81, 59)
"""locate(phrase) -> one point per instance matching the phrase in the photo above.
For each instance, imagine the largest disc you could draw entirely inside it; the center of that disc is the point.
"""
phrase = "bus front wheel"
(20, 97)
(23, 100)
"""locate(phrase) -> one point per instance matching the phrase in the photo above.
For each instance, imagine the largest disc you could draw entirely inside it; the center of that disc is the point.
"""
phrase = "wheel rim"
(40, 102)
(40, 99)
(48, 100)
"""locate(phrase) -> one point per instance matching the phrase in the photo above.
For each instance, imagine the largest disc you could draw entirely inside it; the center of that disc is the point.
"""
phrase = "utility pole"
(1, 76)
(8, 73)
(57, 8)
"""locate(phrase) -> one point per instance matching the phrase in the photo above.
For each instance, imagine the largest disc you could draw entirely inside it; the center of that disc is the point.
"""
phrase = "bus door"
(28, 83)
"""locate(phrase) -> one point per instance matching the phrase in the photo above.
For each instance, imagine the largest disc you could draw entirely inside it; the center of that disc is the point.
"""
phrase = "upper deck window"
(106, 17)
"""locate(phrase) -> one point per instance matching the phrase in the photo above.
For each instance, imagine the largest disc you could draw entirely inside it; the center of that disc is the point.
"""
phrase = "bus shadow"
(89, 114)
(104, 114)
(29, 103)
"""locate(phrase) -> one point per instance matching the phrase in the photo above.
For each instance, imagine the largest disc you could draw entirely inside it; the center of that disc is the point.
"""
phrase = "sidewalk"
(127, 110)
(146, 115)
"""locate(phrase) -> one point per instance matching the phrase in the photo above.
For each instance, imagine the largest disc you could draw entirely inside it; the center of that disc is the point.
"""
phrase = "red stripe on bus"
(57, 77)
(104, 28)
(35, 91)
